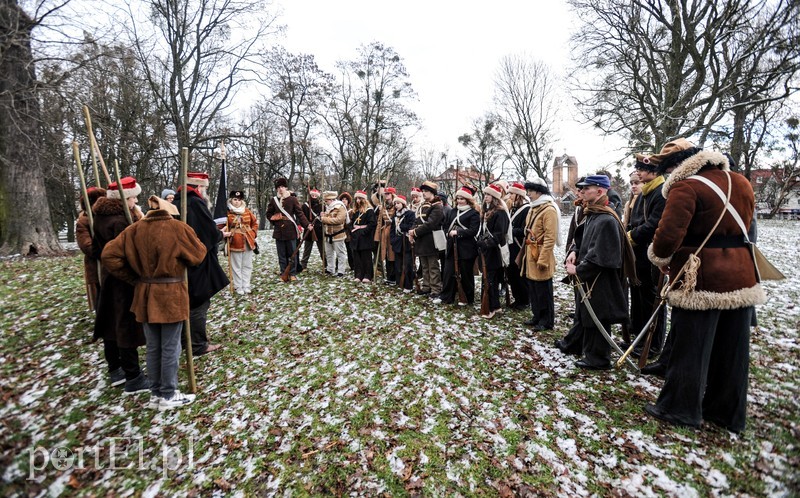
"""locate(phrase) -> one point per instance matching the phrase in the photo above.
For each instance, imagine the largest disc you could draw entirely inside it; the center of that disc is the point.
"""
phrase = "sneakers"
(366, 280)
(437, 300)
(178, 400)
(154, 402)
(138, 385)
(116, 377)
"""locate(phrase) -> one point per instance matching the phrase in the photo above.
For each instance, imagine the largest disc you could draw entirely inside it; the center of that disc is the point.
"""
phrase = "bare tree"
(198, 57)
(299, 90)
(786, 173)
(526, 103)
(484, 149)
(655, 70)
(262, 156)
(25, 223)
(368, 115)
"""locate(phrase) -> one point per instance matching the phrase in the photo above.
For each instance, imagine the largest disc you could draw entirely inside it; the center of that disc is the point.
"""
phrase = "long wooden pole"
(95, 148)
(122, 196)
(187, 327)
(89, 215)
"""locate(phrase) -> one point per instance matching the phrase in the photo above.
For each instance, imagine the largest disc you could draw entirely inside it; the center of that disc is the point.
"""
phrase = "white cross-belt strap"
(731, 209)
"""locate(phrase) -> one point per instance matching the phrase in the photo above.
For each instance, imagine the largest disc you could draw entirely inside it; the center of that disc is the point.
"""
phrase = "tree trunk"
(25, 226)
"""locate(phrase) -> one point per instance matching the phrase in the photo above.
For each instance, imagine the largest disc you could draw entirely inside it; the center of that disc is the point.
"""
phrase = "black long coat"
(114, 320)
(493, 237)
(645, 215)
(468, 226)
(599, 266)
(518, 217)
(207, 278)
(363, 239)
(430, 219)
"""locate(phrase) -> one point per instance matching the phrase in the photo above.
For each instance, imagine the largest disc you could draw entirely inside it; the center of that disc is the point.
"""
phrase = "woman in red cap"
(114, 323)
(402, 222)
(493, 235)
(361, 237)
(461, 226)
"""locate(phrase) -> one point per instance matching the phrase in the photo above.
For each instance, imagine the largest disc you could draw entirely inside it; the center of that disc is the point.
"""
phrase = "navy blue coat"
(406, 224)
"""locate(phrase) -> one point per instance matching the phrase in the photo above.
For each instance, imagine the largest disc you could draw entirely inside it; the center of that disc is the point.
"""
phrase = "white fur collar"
(694, 164)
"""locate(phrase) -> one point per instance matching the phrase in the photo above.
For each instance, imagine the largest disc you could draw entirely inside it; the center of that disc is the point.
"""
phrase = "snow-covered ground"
(328, 387)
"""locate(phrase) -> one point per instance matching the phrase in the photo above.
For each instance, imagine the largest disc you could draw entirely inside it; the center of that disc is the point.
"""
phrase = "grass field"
(330, 387)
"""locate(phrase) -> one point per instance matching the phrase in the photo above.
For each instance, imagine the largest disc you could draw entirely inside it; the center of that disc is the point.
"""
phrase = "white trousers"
(242, 270)
(336, 252)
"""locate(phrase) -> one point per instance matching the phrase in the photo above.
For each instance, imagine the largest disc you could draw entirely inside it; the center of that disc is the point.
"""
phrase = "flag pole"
(187, 327)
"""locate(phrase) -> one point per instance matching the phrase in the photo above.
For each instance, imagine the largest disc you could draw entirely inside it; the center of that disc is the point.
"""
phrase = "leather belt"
(161, 280)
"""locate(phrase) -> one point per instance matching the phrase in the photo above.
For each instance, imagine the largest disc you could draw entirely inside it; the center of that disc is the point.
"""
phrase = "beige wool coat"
(541, 234)
(333, 221)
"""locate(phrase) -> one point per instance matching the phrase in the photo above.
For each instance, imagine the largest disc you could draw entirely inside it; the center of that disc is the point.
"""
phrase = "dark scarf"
(628, 258)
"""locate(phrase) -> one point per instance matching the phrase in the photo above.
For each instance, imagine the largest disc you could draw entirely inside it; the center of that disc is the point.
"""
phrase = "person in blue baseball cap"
(596, 180)
(598, 262)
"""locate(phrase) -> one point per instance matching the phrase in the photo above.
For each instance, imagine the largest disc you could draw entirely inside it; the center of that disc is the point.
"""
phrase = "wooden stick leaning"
(462, 297)
(653, 326)
(95, 148)
(228, 254)
(286, 273)
(187, 327)
(89, 214)
(402, 282)
(125, 206)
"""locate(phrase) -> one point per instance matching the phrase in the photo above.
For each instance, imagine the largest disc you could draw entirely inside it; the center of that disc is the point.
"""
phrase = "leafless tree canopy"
(197, 56)
(655, 70)
(527, 108)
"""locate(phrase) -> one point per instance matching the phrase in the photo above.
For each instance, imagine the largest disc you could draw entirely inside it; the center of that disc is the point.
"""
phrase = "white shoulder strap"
(732, 210)
(288, 216)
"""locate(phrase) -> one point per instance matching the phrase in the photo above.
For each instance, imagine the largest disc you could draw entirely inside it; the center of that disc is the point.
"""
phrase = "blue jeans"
(163, 353)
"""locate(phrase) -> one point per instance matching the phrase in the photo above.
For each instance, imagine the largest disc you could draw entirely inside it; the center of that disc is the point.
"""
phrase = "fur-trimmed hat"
(538, 184)
(360, 194)
(167, 206)
(236, 194)
(517, 188)
(465, 193)
(329, 195)
(401, 198)
(390, 190)
(494, 190)
(281, 182)
(430, 187)
(503, 185)
(197, 179)
(94, 193)
(346, 195)
(129, 188)
(415, 190)
(314, 192)
(672, 154)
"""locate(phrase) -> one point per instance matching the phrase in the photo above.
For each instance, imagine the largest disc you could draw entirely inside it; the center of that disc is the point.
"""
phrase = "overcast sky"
(452, 50)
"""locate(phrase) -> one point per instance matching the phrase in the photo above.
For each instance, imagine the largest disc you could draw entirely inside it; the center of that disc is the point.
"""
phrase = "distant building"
(454, 177)
(565, 174)
(765, 185)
